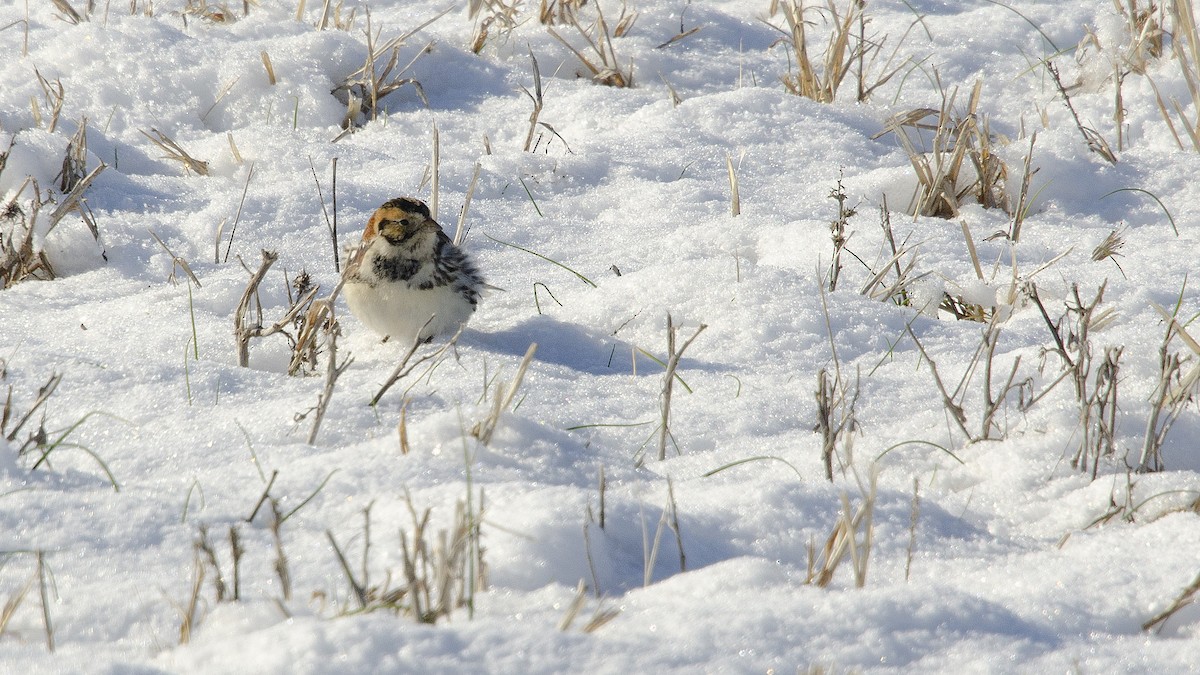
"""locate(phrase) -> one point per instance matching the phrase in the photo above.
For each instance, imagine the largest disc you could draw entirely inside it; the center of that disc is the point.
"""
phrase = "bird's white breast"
(396, 310)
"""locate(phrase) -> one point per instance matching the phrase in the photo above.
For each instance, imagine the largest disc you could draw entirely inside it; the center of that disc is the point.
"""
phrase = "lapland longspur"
(408, 271)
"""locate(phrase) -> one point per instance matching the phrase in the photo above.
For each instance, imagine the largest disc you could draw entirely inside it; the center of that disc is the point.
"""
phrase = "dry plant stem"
(1020, 211)
(175, 152)
(955, 410)
(436, 164)
(402, 427)
(835, 415)
(587, 549)
(1186, 597)
(360, 593)
(266, 496)
(176, 261)
(236, 550)
(73, 200)
(966, 230)
(330, 224)
(1095, 142)
(674, 524)
(536, 97)
(190, 615)
(993, 403)
(43, 394)
(837, 230)
(238, 216)
(45, 597)
(573, 608)
(14, 603)
(735, 198)
(673, 357)
(242, 331)
(404, 368)
(603, 489)
(281, 563)
(204, 546)
(500, 403)
(332, 372)
(460, 231)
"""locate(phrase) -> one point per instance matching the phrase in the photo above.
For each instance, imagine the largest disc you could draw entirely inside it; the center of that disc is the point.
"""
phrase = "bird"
(407, 280)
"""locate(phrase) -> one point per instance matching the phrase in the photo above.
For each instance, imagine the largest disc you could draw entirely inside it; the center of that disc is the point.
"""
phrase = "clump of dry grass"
(1147, 30)
(245, 328)
(378, 77)
(1174, 391)
(597, 54)
(502, 399)
(440, 573)
(877, 286)
(54, 95)
(600, 616)
(819, 77)
(961, 161)
(19, 259)
(1095, 376)
(493, 18)
(176, 153)
(214, 12)
(852, 535)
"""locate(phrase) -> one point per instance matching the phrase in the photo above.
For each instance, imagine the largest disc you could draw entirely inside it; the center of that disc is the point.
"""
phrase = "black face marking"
(395, 269)
(392, 238)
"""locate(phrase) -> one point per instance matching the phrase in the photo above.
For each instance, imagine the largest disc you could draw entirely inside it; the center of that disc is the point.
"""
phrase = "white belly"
(399, 312)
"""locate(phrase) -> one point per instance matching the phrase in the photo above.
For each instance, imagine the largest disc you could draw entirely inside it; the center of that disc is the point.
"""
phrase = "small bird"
(407, 280)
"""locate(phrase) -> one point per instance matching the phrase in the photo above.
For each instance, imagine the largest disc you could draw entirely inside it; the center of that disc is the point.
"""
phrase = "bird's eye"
(404, 222)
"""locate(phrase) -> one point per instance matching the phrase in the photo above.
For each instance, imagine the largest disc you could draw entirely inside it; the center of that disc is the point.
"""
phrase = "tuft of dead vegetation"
(1174, 391)
(597, 54)
(960, 162)
(19, 259)
(502, 399)
(851, 537)
(245, 328)
(380, 75)
(440, 573)
(175, 152)
(494, 19)
(21, 229)
(849, 51)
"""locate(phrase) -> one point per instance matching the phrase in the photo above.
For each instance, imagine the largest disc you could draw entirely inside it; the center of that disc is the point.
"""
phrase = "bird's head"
(397, 220)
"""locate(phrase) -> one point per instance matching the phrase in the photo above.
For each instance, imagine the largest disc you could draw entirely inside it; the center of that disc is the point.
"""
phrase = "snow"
(1014, 567)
